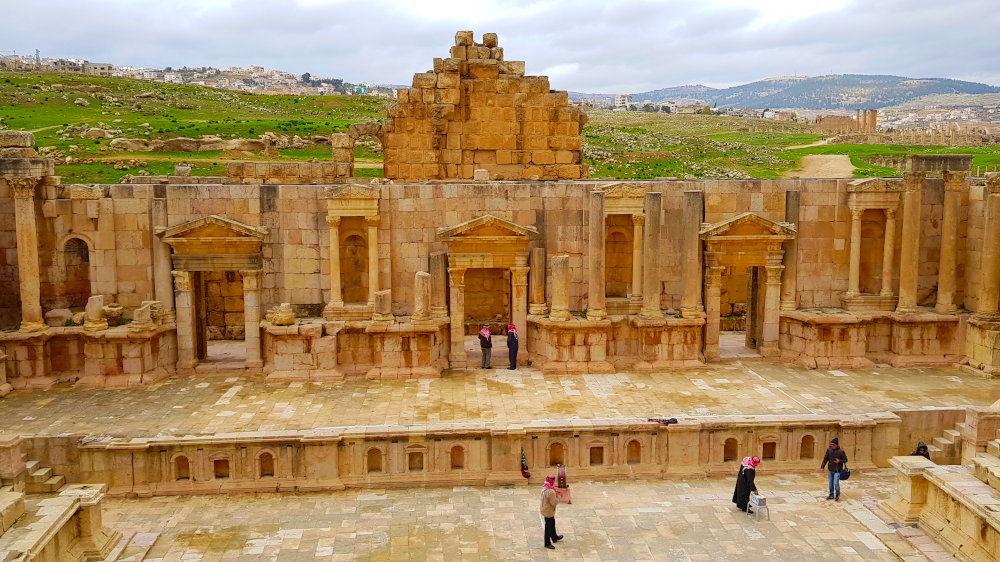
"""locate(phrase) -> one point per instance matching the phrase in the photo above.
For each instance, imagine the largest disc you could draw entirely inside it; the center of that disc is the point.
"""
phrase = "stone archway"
(214, 244)
(486, 242)
(746, 240)
(342, 144)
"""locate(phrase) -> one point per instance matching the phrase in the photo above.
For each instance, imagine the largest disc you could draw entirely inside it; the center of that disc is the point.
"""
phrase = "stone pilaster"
(638, 239)
(909, 256)
(694, 212)
(989, 276)
(519, 297)
(559, 287)
(373, 266)
(713, 310)
(23, 190)
(888, 252)
(456, 277)
(536, 279)
(336, 293)
(789, 281)
(438, 268)
(163, 281)
(854, 269)
(187, 355)
(954, 184)
(596, 299)
(650, 254)
(772, 309)
(251, 317)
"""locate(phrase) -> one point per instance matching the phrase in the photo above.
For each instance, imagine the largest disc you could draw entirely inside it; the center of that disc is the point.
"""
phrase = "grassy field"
(58, 108)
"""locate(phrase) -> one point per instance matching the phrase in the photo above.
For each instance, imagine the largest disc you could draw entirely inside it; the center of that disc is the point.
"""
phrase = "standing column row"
(651, 239)
(336, 294)
(909, 257)
(989, 279)
(694, 211)
(954, 184)
(23, 190)
(596, 299)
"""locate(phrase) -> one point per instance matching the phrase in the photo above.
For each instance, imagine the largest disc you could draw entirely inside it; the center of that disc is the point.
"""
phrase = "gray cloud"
(588, 45)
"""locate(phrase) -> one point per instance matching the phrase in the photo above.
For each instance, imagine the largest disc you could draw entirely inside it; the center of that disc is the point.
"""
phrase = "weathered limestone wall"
(223, 305)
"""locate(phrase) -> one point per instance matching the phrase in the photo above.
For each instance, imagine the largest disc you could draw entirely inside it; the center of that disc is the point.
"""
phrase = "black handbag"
(845, 474)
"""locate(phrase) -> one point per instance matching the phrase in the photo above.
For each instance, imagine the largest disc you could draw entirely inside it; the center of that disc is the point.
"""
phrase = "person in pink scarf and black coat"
(512, 345)
(745, 483)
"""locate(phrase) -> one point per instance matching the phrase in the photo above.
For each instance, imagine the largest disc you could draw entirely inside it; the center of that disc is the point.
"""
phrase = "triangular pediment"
(487, 227)
(875, 185)
(353, 191)
(213, 226)
(748, 225)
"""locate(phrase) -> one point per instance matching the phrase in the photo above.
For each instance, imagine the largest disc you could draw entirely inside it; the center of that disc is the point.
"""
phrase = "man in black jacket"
(834, 460)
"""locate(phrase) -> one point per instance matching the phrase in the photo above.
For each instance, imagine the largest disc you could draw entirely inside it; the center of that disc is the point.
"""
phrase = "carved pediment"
(487, 227)
(748, 225)
(213, 227)
(352, 191)
(875, 185)
(624, 190)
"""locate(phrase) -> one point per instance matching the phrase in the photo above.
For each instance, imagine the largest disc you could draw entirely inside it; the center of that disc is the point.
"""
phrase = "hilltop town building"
(489, 219)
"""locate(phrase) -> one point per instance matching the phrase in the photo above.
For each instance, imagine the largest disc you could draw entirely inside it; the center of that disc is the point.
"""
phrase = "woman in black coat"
(512, 345)
(745, 483)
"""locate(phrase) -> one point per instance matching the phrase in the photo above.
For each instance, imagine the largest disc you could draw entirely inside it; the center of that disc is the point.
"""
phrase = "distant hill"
(836, 91)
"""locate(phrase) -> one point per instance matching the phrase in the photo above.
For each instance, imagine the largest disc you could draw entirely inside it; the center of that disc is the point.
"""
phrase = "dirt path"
(824, 166)
(817, 143)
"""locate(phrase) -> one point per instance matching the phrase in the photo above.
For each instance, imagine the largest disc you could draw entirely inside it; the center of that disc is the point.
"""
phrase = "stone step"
(944, 445)
(993, 448)
(31, 466)
(120, 547)
(40, 475)
(52, 484)
(137, 548)
(986, 467)
(953, 435)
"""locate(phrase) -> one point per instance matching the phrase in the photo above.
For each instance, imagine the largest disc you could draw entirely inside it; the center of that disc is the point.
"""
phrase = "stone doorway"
(741, 326)
(221, 321)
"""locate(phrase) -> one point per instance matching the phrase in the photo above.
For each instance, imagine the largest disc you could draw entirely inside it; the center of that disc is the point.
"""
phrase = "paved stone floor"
(678, 520)
(211, 404)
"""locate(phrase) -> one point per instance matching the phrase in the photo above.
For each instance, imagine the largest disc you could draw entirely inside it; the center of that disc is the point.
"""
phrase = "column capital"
(333, 221)
(713, 274)
(890, 213)
(519, 275)
(856, 213)
(912, 180)
(372, 221)
(953, 181)
(182, 280)
(774, 274)
(993, 182)
(456, 275)
(251, 279)
(638, 220)
(23, 187)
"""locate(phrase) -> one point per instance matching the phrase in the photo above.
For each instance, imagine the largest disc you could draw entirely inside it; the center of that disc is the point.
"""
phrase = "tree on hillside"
(306, 78)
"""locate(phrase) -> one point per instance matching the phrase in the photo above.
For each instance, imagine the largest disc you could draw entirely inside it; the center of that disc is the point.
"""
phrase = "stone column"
(789, 298)
(251, 317)
(651, 245)
(536, 278)
(713, 310)
(23, 191)
(163, 281)
(519, 296)
(888, 252)
(373, 267)
(954, 183)
(909, 255)
(336, 293)
(596, 298)
(989, 285)
(438, 268)
(560, 288)
(854, 271)
(694, 211)
(638, 283)
(456, 277)
(187, 354)
(421, 296)
(772, 308)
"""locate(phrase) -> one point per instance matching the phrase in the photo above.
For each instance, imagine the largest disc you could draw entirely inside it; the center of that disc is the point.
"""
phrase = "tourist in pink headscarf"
(745, 483)
(486, 345)
(512, 345)
(548, 510)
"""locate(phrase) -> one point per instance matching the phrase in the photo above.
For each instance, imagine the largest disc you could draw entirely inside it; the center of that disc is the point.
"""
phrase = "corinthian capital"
(23, 187)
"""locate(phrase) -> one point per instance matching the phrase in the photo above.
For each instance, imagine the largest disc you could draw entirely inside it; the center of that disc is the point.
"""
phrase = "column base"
(559, 315)
(28, 326)
(599, 314)
(537, 309)
(943, 308)
(787, 305)
(439, 312)
(692, 312)
(95, 326)
(650, 314)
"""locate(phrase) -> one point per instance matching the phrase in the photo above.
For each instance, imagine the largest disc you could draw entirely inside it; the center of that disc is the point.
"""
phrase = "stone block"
(16, 139)
(490, 40)
(464, 38)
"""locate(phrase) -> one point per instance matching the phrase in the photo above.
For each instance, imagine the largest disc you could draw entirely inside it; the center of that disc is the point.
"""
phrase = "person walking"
(921, 451)
(486, 345)
(745, 483)
(548, 511)
(834, 461)
(512, 346)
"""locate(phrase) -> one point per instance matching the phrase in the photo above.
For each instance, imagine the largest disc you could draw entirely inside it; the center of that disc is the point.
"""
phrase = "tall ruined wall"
(475, 110)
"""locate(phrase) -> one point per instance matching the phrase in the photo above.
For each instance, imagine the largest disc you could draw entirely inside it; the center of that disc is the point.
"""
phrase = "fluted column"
(954, 184)
(789, 280)
(536, 278)
(23, 190)
(713, 309)
(596, 299)
(456, 278)
(438, 268)
(336, 293)
(888, 252)
(854, 271)
(373, 266)
(651, 253)
(637, 257)
(909, 255)
(560, 288)
(187, 356)
(772, 309)
(251, 317)
(691, 306)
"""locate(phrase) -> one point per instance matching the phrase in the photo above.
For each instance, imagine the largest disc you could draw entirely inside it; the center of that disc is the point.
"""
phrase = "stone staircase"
(41, 480)
(133, 547)
(947, 449)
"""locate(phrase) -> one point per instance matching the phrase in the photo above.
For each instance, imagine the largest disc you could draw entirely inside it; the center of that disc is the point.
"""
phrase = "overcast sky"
(582, 45)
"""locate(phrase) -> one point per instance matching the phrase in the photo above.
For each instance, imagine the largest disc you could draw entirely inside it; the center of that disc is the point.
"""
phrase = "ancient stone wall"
(864, 121)
(475, 110)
